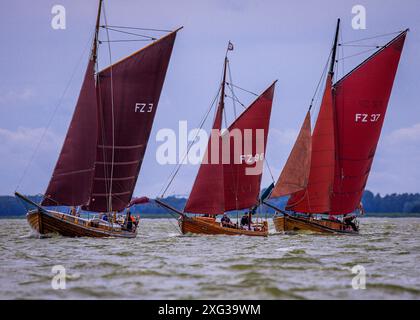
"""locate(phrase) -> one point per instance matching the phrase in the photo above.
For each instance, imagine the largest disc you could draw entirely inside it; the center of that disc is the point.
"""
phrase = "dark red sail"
(295, 174)
(242, 174)
(129, 92)
(361, 100)
(207, 196)
(316, 197)
(72, 177)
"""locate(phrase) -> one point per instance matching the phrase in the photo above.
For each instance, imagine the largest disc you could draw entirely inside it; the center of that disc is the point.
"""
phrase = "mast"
(222, 93)
(334, 49)
(95, 39)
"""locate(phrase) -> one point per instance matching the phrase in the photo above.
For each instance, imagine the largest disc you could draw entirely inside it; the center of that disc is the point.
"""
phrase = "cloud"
(404, 135)
(396, 162)
(16, 96)
(24, 138)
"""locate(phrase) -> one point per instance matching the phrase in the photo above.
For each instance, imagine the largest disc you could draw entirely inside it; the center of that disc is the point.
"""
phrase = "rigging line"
(112, 117)
(138, 28)
(130, 33)
(358, 54)
(320, 94)
(362, 45)
(102, 126)
(319, 82)
(173, 216)
(269, 169)
(373, 37)
(60, 101)
(342, 54)
(231, 89)
(224, 114)
(231, 84)
(235, 99)
(131, 40)
(178, 167)
(101, 118)
(234, 96)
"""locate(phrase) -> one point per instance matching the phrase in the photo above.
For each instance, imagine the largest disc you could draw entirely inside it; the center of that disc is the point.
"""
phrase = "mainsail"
(242, 174)
(361, 100)
(129, 93)
(105, 144)
(231, 183)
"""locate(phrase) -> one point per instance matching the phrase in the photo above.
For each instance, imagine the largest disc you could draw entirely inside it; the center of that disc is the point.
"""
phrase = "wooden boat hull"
(50, 222)
(198, 225)
(295, 224)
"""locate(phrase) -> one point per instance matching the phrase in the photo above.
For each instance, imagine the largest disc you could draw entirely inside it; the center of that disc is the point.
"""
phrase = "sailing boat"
(226, 185)
(102, 153)
(327, 171)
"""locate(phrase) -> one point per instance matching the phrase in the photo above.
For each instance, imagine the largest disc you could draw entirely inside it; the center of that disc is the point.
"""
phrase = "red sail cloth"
(242, 175)
(228, 186)
(72, 177)
(207, 194)
(316, 197)
(295, 174)
(361, 100)
(127, 107)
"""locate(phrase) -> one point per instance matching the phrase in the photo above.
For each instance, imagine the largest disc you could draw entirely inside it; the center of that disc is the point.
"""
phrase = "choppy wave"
(160, 263)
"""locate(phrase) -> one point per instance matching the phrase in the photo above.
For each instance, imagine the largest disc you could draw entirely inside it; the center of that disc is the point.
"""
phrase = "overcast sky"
(284, 40)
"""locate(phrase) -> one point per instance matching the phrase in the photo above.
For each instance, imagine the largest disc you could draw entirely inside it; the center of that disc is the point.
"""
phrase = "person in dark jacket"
(349, 221)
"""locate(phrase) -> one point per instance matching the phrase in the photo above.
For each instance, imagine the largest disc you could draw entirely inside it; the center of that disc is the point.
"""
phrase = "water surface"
(162, 264)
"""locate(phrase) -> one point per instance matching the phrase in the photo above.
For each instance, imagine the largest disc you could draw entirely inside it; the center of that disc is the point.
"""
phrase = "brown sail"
(295, 174)
(129, 92)
(72, 177)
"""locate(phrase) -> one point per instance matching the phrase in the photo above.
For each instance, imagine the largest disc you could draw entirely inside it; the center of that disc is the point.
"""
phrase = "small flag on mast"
(230, 46)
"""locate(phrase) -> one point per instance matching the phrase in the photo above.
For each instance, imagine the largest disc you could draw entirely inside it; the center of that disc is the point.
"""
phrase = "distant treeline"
(374, 205)
(391, 203)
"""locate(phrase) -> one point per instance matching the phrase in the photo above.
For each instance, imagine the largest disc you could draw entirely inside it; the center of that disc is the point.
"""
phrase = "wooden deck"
(199, 225)
(47, 222)
(295, 224)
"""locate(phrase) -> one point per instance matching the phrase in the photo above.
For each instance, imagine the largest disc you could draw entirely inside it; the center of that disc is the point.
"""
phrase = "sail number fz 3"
(143, 107)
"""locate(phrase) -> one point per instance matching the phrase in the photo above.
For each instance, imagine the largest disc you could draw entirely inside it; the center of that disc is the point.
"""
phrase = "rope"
(373, 37)
(235, 99)
(35, 151)
(269, 169)
(231, 84)
(137, 28)
(177, 168)
(126, 32)
(231, 89)
(361, 45)
(358, 54)
(319, 82)
(112, 117)
(102, 41)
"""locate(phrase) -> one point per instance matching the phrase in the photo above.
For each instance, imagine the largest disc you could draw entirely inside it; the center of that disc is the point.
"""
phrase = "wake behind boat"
(102, 154)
